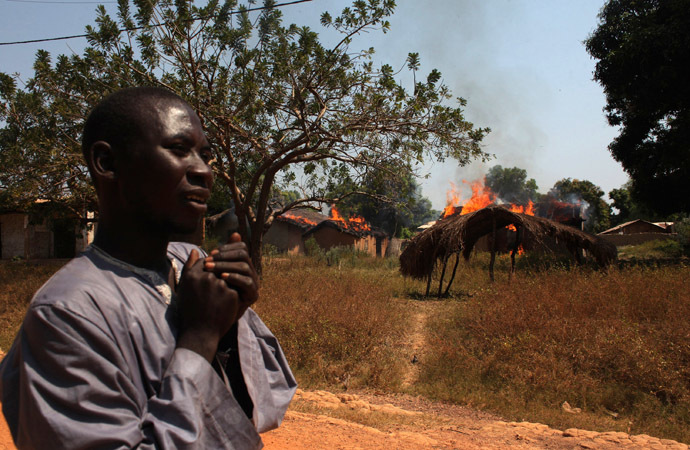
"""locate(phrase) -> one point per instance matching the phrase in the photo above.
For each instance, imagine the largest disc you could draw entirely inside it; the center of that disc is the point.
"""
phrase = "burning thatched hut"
(460, 233)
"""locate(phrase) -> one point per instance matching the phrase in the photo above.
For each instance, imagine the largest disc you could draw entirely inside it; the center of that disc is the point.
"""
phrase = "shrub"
(313, 249)
(683, 230)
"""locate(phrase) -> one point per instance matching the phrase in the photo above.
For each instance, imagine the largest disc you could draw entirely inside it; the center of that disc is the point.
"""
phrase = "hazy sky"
(520, 64)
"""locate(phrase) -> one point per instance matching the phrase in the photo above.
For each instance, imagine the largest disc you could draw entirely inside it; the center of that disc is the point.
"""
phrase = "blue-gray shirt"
(95, 366)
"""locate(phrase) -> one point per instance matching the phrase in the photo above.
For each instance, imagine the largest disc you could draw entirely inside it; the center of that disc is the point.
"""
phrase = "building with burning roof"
(287, 230)
(291, 230)
(332, 233)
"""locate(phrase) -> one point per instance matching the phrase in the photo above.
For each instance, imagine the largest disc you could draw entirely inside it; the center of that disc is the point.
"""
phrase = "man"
(140, 342)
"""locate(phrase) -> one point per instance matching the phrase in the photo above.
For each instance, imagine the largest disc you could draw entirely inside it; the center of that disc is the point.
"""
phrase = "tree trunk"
(255, 251)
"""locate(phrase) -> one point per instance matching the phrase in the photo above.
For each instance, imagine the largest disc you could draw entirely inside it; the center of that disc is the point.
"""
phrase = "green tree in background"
(598, 212)
(643, 49)
(628, 208)
(511, 184)
(282, 110)
(394, 205)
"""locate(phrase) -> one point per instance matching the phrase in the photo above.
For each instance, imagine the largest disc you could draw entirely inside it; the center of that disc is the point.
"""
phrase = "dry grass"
(18, 282)
(338, 327)
(614, 342)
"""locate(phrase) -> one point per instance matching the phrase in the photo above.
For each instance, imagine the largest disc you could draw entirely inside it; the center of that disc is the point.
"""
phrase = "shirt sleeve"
(65, 384)
(269, 381)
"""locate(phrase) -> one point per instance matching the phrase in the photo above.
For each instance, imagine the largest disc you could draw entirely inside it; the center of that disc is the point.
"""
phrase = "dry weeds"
(615, 344)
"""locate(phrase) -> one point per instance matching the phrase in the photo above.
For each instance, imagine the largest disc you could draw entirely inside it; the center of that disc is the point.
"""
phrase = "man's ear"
(103, 160)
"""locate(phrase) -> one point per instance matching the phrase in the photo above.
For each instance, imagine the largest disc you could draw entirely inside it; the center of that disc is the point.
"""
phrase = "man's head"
(149, 159)
(119, 119)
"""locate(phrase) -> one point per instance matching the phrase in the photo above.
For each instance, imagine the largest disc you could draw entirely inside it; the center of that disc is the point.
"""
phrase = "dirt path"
(416, 342)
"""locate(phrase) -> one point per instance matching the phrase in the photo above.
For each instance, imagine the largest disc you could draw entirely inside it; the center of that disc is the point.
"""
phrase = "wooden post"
(452, 277)
(518, 241)
(493, 250)
(443, 274)
(428, 284)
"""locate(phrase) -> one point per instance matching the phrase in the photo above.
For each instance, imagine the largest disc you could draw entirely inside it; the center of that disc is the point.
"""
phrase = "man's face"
(166, 178)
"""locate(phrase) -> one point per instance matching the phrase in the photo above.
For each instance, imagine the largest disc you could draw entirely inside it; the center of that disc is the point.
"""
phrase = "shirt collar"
(151, 276)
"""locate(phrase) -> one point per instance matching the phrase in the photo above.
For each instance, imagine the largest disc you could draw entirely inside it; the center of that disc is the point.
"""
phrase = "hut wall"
(635, 239)
(366, 244)
(382, 244)
(285, 237)
(328, 237)
(39, 242)
(12, 235)
(19, 238)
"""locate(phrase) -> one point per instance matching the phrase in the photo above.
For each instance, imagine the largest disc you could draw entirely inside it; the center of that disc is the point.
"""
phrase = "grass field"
(614, 343)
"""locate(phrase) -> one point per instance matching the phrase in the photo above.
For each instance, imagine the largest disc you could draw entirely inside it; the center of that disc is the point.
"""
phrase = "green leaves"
(413, 61)
(642, 48)
(277, 105)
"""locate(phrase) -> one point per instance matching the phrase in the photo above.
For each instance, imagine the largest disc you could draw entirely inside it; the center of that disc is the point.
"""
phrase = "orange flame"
(528, 210)
(298, 219)
(481, 198)
(355, 223)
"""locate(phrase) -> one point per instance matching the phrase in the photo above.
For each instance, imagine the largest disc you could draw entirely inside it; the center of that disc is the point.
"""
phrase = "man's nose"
(200, 173)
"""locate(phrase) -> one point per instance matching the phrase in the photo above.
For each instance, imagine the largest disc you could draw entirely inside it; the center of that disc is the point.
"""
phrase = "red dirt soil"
(439, 427)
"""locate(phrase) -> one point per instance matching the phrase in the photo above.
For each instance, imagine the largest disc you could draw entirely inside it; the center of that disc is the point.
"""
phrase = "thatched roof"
(461, 233)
